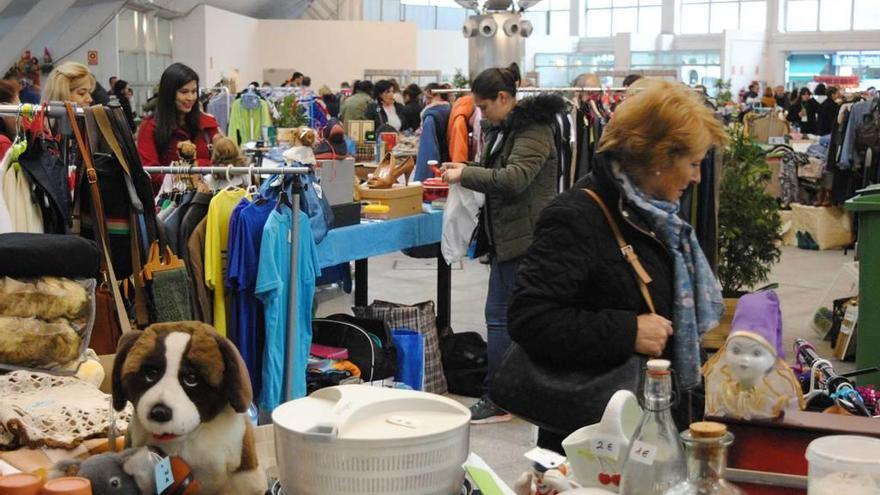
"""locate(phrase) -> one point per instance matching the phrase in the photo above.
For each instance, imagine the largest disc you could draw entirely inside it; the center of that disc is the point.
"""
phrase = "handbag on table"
(559, 399)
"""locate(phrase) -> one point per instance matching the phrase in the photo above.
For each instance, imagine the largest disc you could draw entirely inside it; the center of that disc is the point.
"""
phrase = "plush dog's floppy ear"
(236, 381)
(125, 344)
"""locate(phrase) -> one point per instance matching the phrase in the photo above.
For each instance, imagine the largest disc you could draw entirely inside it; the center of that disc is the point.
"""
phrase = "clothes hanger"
(230, 186)
(283, 199)
(252, 190)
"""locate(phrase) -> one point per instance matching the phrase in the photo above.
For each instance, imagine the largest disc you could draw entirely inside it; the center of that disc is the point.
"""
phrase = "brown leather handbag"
(111, 319)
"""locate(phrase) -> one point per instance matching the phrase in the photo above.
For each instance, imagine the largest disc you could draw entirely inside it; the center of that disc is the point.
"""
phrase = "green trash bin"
(867, 207)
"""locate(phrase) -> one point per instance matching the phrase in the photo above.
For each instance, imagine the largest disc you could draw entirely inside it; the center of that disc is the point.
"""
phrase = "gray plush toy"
(129, 472)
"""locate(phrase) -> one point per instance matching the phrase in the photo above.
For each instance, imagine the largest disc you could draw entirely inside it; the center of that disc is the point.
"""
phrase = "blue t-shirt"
(244, 254)
(273, 282)
(232, 330)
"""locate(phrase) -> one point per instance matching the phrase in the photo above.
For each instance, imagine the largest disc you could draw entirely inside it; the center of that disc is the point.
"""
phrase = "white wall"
(334, 51)
(234, 47)
(446, 51)
(190, 41)
(743, 58)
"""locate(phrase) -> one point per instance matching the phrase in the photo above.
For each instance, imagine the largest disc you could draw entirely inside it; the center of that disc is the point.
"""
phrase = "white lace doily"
(38, 410)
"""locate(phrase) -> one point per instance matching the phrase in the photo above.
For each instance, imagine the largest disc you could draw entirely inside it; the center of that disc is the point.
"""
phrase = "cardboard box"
(357, 129)
(401, 200)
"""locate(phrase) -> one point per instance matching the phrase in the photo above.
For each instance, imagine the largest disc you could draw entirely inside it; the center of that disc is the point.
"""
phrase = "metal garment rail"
(54, 109)
(570, 89)
(291, 300)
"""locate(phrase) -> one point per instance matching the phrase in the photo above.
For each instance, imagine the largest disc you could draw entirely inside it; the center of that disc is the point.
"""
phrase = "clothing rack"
(291, 301)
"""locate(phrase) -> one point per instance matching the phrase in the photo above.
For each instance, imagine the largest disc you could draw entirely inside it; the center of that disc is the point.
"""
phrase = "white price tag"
(162, 474)
(605, 447)
(544, 457)
(643, 452)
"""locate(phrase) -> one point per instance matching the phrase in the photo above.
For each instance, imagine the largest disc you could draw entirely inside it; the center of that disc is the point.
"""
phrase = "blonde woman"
(576, 302)
(70, 81)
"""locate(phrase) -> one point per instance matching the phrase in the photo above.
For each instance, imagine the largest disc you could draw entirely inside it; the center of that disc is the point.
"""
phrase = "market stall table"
(375, 237)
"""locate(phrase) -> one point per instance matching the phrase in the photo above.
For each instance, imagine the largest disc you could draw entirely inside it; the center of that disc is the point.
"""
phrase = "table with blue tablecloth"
(375, 237)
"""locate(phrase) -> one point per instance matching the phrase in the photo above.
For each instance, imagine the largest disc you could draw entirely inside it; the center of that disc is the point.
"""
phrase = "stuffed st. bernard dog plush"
(190, 390)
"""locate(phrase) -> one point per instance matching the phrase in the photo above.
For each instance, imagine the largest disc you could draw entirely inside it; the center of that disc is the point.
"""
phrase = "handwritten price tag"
(605, 447)
(643, 452)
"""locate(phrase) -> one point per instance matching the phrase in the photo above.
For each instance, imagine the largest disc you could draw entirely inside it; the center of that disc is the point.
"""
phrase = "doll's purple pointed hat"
(759, 316)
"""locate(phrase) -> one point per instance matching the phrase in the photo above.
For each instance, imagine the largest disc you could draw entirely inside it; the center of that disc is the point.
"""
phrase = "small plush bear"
(186, 150)
(129, 472)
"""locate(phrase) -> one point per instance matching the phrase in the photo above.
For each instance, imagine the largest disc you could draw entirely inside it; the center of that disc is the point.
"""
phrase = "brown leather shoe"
(387, 179)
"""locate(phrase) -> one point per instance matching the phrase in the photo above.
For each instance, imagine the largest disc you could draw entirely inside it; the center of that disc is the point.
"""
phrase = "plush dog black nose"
(160, 413)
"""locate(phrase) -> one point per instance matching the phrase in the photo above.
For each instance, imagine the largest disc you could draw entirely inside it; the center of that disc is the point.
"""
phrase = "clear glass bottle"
(655, 461)
(706, 443)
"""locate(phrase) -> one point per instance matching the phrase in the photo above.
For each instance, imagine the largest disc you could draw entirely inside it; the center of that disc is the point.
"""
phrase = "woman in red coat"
(177, 118)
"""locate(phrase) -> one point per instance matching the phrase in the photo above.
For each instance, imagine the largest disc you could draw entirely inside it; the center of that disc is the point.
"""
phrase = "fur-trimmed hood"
(540, 109)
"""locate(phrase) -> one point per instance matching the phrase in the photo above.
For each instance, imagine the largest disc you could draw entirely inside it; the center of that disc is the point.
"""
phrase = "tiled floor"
(803, 277)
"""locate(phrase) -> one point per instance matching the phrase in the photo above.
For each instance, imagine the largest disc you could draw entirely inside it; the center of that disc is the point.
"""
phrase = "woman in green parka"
(517, 173)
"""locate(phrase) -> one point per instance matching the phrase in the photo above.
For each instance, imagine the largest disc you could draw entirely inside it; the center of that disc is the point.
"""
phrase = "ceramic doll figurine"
(748, 378)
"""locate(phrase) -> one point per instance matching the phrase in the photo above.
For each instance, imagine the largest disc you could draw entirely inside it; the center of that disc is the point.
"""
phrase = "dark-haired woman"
(517, 173)
(805, 112)
(121, 91)
(385, 111)
(412, 106)
(177, 118)
(355, 106)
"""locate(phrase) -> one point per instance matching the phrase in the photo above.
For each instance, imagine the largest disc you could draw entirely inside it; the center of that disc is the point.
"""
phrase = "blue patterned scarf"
(698, 303)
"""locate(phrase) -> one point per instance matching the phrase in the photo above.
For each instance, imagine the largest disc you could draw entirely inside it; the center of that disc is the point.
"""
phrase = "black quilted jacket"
(576, 298)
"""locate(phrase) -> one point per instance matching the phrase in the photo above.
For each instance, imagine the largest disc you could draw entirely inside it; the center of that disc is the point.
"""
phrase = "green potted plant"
(290, 116)
(459, 80)
(723, 95)
(748, 226)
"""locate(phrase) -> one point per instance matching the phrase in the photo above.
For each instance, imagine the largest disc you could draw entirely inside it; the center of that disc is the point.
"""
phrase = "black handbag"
(561, 399)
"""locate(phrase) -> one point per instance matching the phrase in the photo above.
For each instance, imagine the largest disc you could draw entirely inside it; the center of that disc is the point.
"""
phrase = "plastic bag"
(410, 357)
(45, 323)
(459, 221)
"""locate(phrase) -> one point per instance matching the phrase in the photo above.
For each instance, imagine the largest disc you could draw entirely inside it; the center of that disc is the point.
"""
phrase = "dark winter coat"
(828, 111)
(576, 297)
(811, 107)
(519, 177)
(376, 113)
(411, 117)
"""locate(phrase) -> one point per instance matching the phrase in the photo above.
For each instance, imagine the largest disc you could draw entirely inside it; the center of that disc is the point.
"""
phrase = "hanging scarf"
(698, 304)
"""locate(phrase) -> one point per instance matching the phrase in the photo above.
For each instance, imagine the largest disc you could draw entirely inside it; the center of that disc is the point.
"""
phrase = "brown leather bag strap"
(627, 250)
(98, 218)
(110, 137)
(142, 314)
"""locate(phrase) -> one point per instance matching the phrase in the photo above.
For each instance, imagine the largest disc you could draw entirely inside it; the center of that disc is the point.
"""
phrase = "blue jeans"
(501, 278)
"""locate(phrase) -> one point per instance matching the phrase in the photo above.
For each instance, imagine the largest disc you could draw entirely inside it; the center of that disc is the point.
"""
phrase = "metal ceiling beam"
(41, 16)
(4, 4)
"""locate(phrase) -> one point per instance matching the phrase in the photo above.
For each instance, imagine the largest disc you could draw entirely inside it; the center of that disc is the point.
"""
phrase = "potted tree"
(748, 226)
